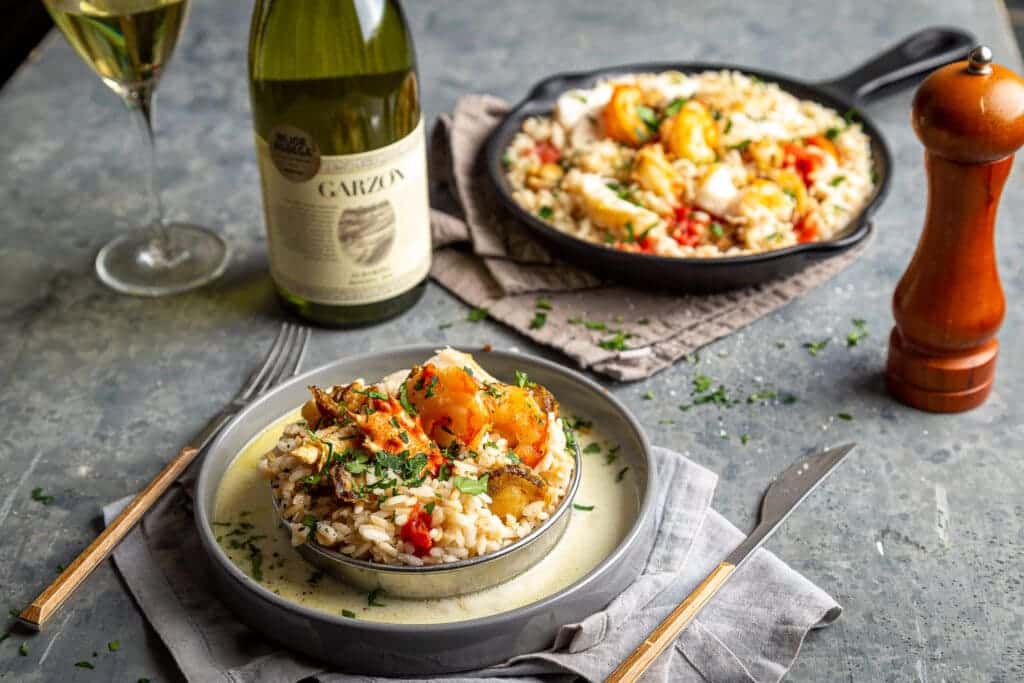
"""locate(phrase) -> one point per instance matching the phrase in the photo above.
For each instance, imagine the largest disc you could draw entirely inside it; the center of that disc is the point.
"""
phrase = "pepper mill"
(949, 303)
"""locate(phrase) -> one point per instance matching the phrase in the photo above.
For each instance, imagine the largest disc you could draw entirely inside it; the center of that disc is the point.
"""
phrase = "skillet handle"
(915, 55)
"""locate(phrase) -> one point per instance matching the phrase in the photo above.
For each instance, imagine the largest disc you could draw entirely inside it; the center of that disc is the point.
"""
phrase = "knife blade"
(782, 496)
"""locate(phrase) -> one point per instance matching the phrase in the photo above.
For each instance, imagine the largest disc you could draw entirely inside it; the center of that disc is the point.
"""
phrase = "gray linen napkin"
(506, 269)
(751, 631)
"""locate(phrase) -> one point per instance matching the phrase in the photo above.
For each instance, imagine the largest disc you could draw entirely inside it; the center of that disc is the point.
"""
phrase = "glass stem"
(140, 104)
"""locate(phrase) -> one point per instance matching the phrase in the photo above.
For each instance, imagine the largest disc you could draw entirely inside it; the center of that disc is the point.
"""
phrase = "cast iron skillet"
(914, 56)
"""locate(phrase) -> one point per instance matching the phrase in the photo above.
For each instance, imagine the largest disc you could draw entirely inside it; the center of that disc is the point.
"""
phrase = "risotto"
(711, 164)
(435, 464)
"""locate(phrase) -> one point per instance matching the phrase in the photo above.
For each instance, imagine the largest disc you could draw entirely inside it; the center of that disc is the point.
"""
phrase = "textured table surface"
(919, 535)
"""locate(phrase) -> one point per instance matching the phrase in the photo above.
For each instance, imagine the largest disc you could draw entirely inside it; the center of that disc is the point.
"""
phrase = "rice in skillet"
(710, 164)
(436, 464)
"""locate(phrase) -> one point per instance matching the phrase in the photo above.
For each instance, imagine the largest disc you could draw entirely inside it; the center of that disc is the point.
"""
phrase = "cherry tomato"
(417, 531)
(806, 228)
(546, 152)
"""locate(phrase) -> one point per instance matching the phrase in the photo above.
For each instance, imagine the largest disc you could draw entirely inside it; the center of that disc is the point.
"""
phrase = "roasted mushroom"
(512, 488)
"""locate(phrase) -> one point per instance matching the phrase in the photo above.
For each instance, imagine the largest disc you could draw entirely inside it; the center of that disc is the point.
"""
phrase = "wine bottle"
(340, 146)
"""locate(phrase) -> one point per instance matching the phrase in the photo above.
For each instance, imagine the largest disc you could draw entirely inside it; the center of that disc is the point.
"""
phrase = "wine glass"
(128, 43)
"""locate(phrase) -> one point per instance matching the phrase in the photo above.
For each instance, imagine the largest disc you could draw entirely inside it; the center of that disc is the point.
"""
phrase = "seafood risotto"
(436, 464)
(703, 165)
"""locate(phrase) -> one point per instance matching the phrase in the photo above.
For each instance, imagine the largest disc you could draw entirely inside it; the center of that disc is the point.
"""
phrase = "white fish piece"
(606, 208)
(717, 194)
(577, 105)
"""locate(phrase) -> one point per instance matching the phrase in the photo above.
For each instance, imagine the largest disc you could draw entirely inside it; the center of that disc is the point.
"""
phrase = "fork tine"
(248, 391)
(297, 362)
(281, 364)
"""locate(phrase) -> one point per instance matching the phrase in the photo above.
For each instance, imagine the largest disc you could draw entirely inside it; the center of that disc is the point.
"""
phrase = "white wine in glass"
(128, 43)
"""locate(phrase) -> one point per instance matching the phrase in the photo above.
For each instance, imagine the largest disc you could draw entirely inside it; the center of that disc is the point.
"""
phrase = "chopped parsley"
(373, 394)
(740, 146)
(832, 133)
(470, 486)
(444, 473)
(468, 370)
(594, 325)
(40, 497)
(701, 383)
(522, 380)
(648, 116)
(851, 116)
(815, 347)
(744, 438)
(506, 160)
(859, 332)
(674, 106)
(85, 665)
(612, 455)
(403, 397)
(592, 448)
(114, 645)
(543, 303)
(477, 314)
(371, 598)
(622, 474)
(616, 343)
(539, 320)
(728, 127)
(648, 396)
(23, 649)
(546, 212)
(444, 326)
(717, 397)
(844, 416)
(717, 230)
(584, 508)
(492, 390)
(430, 389)
(765, 395)
(515, 458)
(835, 182)
(789, 399)
(429, 507)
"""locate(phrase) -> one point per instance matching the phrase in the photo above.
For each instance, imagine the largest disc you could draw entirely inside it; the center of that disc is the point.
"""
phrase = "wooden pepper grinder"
(949, 303)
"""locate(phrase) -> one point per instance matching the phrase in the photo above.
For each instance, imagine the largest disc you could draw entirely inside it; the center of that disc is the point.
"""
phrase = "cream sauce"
(243, 511)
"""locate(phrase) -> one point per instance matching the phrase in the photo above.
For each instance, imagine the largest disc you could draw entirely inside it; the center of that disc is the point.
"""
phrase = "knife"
(783, 496)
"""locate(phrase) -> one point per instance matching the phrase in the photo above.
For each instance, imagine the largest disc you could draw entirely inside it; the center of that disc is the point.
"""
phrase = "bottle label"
(349, 229)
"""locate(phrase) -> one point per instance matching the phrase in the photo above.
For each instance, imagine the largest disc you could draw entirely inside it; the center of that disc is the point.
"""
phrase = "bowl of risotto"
(258, 536)
(436, 480)
(689, 177)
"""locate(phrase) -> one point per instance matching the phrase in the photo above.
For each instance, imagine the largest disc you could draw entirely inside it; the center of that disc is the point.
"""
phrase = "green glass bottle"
(340, 145)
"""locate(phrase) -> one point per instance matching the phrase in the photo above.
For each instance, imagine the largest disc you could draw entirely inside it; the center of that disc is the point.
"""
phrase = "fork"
(282, 361)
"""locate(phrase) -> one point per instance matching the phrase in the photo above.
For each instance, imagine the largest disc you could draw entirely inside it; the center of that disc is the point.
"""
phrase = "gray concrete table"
(919, 536)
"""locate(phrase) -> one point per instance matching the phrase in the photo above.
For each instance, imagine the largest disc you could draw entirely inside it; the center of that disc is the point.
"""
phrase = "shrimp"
(621, 116)
(653, 172)
(518, 415)
(691, 134)
(449, 402)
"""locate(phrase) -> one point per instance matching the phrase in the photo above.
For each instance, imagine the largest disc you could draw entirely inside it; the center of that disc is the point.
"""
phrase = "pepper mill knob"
(949, 303)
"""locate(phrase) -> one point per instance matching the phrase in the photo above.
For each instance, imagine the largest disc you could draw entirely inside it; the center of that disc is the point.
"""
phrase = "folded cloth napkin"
(506, 270)
(751, 631)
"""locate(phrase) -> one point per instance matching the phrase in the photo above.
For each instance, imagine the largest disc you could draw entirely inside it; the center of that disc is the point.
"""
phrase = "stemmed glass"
(128, 43)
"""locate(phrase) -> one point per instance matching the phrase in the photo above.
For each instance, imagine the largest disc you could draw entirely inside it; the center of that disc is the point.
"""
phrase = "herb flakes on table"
(371, 598)
(858, 333)
(477, 314)
(815, 347)
(40, 497)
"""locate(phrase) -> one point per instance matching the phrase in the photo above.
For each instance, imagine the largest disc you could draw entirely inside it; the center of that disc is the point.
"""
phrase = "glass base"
(136, 263)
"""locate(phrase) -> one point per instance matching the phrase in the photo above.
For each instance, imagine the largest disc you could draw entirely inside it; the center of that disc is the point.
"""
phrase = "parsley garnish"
(514, 458)
(622, 474)
(470, 486)
(612, 455)
(544, 303)
(403, 399)
(114, 645)
(477, 314)
(430, 388)
(835, 182)
(616, 343)
(701, 383)
(728, 127)
(523, 380)
(648, 396)
(744, 438)
(85, 665)
(348, 614)
(492, 390)
(765, 395)
(832, 133)
(674, 106)
(717, 230)
(40, 497)
(23, 650)
(741, 146)
(429, 507)
(584, 508)
(540, 319)
(546, 212)
(594, 325)
(592, 448)
(718, 397)
(444, 473)
(844, 416)
(372, 393)
(506, 160)
(859, 332)
(789, 399)
(814, 348)
(371, 598)
(648, 116)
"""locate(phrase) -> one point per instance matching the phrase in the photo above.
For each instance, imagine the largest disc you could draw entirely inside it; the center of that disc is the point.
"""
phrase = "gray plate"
(375, 648)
